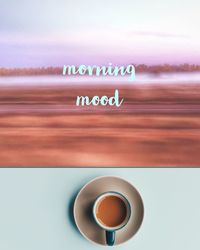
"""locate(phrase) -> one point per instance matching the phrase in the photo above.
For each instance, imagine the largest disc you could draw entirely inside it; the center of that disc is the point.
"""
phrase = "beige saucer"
(85, 200)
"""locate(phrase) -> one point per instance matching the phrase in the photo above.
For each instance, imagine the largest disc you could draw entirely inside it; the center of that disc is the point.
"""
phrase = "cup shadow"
(70, 206)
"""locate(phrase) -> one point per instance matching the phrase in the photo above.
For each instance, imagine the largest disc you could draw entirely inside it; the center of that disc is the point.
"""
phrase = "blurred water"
(164, 78)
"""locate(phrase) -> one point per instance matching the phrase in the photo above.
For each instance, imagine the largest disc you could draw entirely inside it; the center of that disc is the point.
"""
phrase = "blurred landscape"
(157, 125)
(140, 68)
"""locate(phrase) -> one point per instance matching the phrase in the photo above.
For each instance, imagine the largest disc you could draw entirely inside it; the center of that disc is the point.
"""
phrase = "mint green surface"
(35, 208)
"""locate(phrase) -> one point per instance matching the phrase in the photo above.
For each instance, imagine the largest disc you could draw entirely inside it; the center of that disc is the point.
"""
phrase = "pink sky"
(56, 32)
(98, 48)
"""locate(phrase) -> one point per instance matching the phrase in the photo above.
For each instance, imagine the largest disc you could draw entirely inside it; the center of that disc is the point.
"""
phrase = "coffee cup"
(111, 212)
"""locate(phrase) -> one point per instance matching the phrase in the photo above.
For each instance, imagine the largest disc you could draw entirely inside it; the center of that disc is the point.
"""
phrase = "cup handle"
(110, 238)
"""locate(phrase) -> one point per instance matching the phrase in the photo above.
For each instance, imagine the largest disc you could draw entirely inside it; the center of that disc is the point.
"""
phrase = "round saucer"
(84, 202)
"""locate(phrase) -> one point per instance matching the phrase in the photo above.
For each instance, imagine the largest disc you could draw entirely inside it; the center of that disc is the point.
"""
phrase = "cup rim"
(126, 220)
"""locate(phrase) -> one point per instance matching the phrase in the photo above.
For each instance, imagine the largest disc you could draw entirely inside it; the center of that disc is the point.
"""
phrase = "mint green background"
(35, 205)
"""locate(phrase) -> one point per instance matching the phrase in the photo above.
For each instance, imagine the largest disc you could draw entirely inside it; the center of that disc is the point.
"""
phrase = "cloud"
(99, 47)
(159, 34)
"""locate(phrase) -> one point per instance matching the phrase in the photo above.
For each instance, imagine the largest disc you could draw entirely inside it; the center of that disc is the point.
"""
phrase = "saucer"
(84, 203)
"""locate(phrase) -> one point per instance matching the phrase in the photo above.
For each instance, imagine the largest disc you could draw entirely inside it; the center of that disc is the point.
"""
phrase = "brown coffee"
(111, 211)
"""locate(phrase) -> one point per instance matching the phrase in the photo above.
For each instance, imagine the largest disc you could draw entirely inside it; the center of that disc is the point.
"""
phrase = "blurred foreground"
(156, 126)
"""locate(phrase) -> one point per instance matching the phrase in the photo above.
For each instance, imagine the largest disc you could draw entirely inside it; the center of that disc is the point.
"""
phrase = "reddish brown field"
(156, 126)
